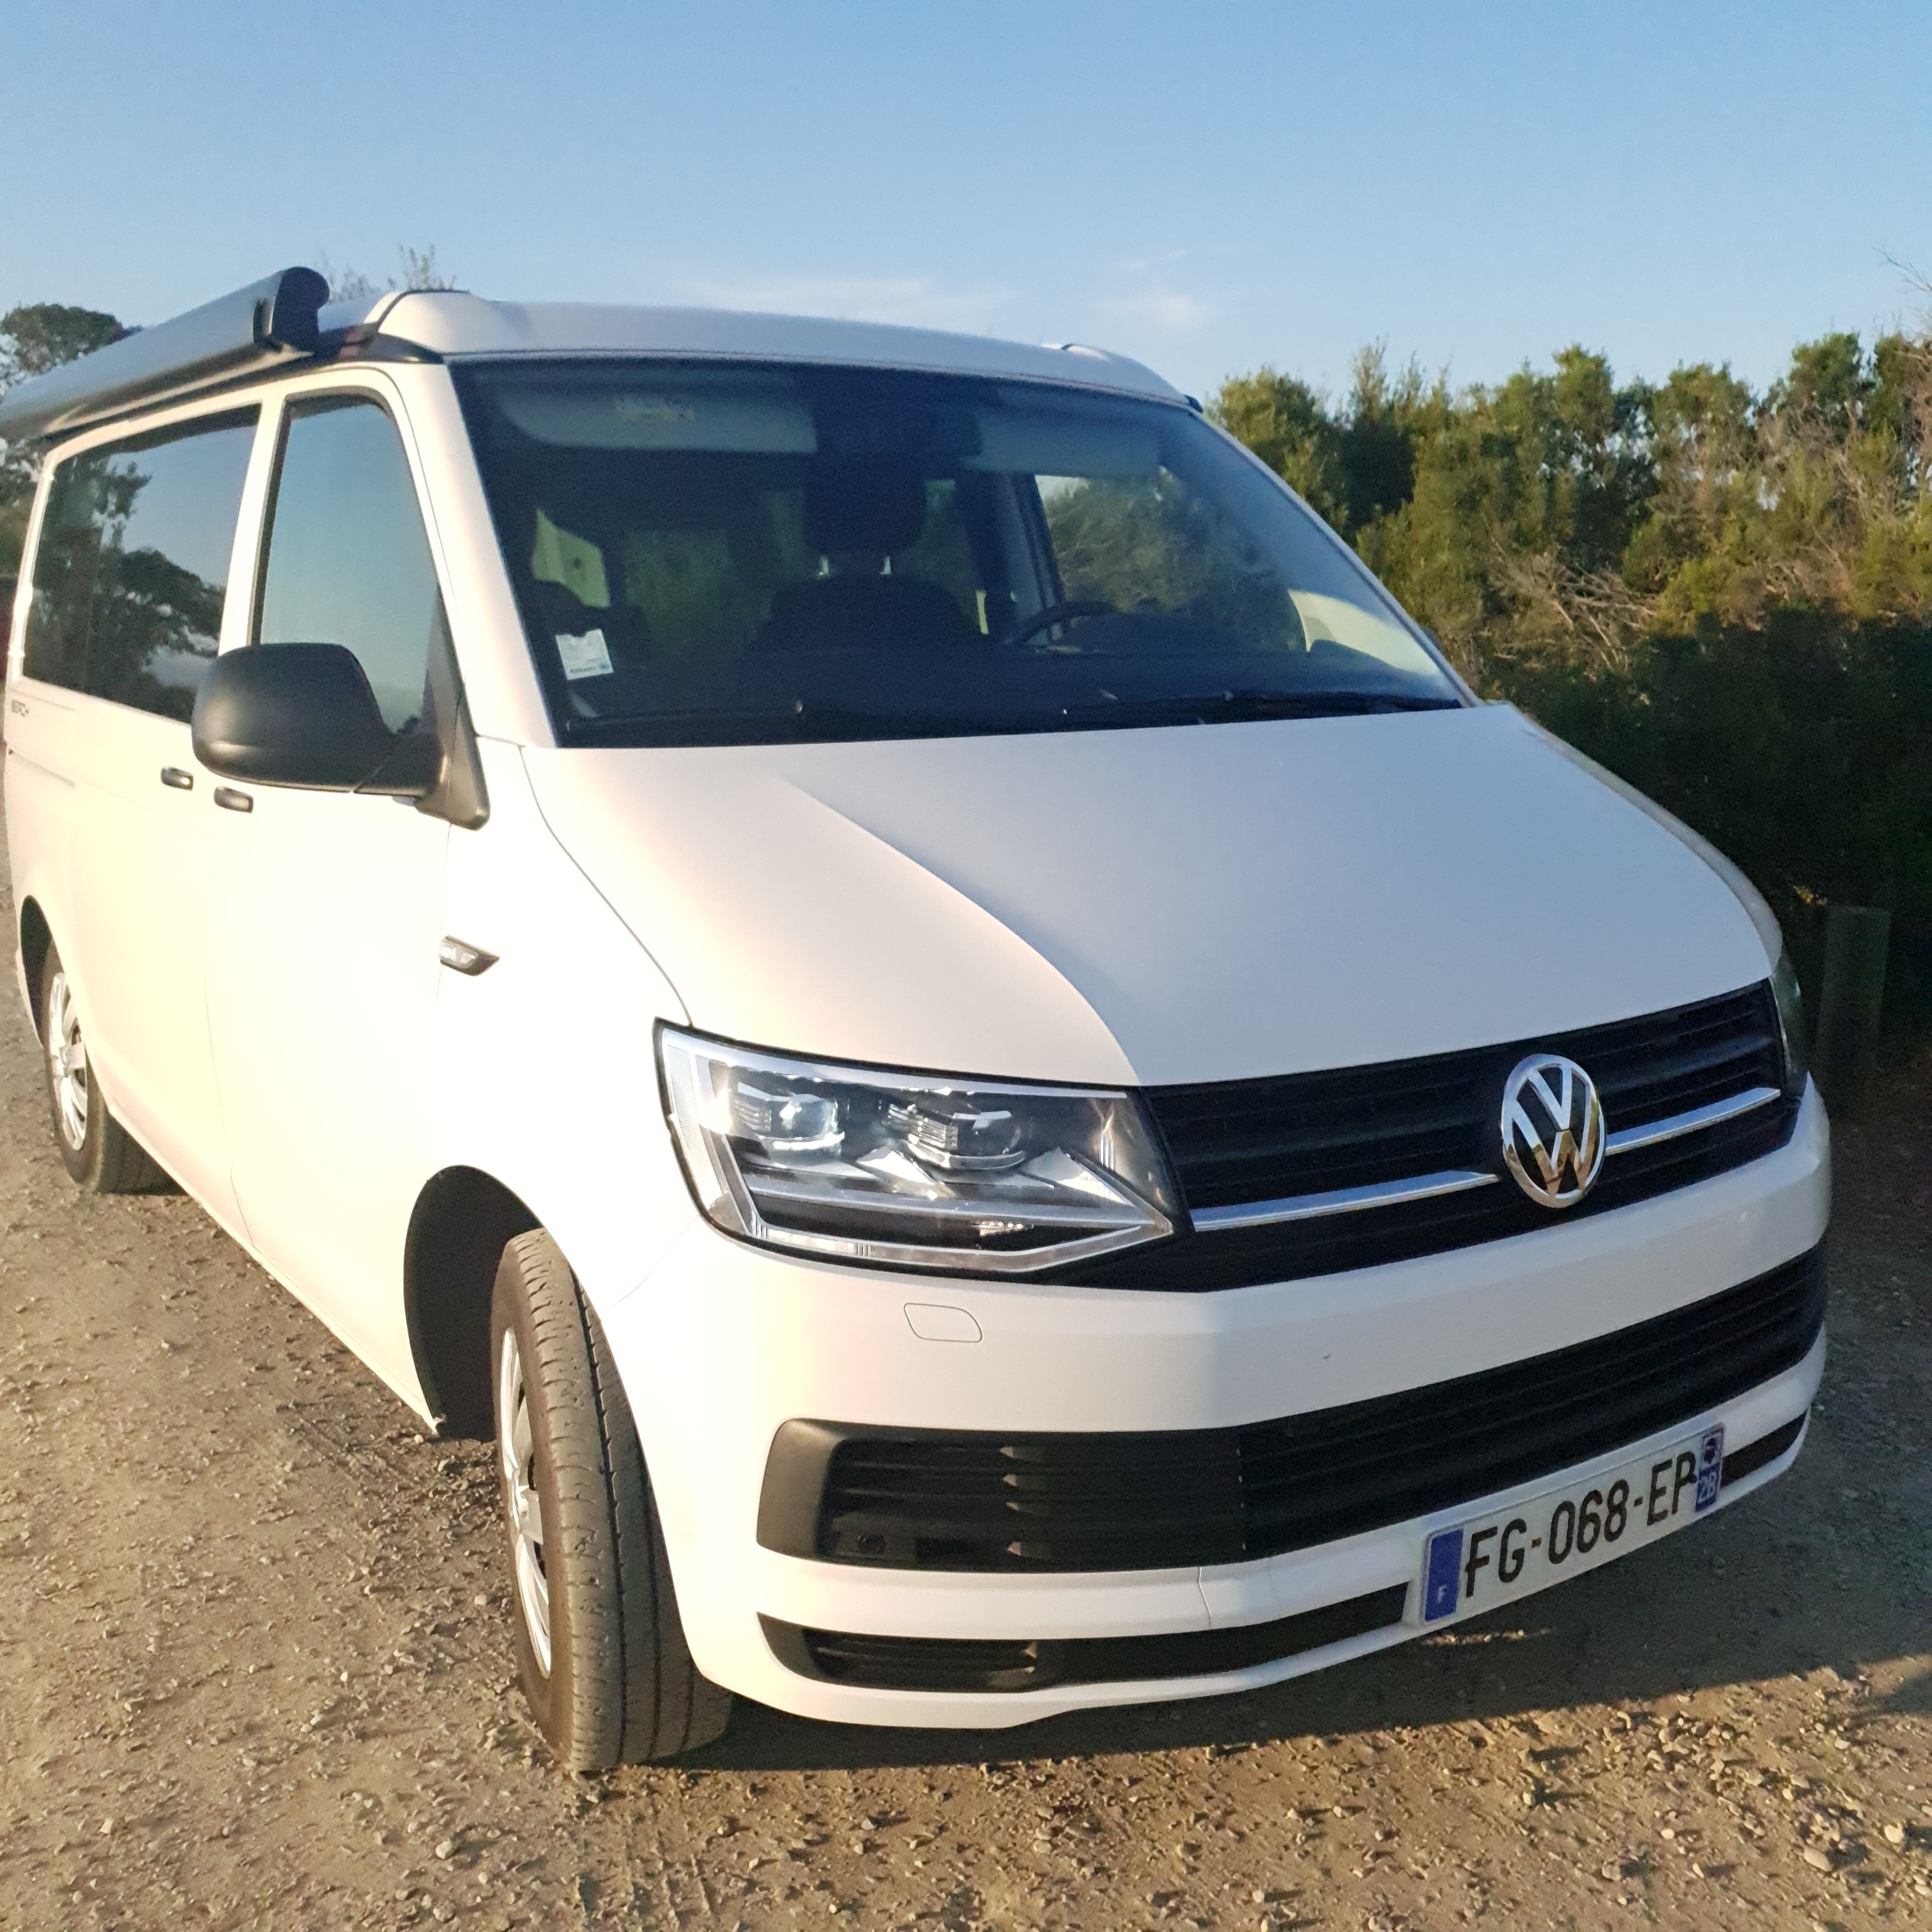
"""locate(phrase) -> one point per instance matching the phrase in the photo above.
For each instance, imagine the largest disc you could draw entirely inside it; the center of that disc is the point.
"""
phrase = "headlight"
(918, 1169)
(1790, 1023)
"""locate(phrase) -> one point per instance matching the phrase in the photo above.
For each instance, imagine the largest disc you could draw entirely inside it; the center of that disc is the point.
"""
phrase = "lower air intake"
(962, 1665)
(937, 1499)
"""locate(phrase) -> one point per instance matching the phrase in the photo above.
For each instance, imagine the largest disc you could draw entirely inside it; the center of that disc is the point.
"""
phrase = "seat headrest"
(872, 508)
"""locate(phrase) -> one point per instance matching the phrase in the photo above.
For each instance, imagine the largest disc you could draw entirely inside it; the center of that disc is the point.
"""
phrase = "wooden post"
(1845, 1040)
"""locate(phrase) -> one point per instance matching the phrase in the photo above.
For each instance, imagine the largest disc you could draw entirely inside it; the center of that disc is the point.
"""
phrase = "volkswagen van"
(874, 952)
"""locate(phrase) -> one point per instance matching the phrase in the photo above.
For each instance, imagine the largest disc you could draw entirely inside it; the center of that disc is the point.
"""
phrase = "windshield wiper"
(1233, 707)
(704, 725)
(805, 722)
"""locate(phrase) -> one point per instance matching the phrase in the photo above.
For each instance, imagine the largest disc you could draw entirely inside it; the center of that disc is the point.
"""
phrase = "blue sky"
(1207, 187)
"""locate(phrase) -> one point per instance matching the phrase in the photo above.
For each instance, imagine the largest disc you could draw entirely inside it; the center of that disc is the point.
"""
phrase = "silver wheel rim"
(66, 1062)
(517, 1451)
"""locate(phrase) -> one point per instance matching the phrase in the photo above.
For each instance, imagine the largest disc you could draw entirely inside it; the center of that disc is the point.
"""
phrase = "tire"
(98, 1151)
(600, 1646)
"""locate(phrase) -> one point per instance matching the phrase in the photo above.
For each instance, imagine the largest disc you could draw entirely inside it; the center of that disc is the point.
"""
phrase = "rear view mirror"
(303, 715)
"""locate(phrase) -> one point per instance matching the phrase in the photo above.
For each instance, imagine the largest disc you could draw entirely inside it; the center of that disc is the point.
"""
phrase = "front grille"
(1237, 1142)
(957, 1664)
(933, 1499)
(968, 1664)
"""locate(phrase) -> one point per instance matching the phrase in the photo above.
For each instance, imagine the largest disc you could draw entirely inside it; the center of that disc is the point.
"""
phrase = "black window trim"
(289, 405)
(460, 795)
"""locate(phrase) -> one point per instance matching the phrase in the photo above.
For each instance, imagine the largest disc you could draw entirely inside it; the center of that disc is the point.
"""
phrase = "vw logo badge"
(1552, 1129)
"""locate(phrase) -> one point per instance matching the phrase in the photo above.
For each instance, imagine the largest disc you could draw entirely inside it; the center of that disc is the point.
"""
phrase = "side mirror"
(303, 715)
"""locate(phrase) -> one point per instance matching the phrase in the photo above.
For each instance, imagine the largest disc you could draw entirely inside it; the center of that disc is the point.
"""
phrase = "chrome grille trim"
(1651, 1131)
(1456, 1180)
(1278, 1143)
(1339, 1201)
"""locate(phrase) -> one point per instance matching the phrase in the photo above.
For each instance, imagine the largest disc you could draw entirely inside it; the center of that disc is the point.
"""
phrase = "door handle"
(232, 800)
(174, 776)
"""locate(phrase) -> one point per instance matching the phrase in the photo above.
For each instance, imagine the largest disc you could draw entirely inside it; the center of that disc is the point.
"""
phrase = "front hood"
(1203, 903)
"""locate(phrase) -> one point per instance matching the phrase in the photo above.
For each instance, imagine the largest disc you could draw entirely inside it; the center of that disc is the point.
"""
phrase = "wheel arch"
(461, 1221)
(36, 940)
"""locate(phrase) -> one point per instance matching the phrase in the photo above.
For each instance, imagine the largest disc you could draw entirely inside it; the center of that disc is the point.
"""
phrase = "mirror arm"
(459, 794)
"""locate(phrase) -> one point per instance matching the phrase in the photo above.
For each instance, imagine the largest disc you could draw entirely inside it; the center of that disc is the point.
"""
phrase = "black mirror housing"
(300, 714)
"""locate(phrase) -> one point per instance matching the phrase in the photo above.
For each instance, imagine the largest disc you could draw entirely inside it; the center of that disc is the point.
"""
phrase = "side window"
(348, 560)
(132, 568)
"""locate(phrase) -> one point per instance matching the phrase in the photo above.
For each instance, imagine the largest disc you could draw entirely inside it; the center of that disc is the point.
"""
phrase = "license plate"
(1493, 1559)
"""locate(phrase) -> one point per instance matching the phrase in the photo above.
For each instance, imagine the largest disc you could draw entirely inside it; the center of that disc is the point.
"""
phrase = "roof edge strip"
(457, 326)
(272, 321)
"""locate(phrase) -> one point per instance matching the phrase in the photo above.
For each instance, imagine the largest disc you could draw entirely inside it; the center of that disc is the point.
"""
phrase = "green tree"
(35, 337)
(1725, 596)
(1287, 425)
(416, 269)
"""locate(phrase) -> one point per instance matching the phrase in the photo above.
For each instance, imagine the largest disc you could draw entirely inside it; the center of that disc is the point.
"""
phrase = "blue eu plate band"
(1440, 1594)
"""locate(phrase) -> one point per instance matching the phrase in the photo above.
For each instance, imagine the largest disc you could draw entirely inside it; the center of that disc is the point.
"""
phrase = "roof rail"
(270, 321)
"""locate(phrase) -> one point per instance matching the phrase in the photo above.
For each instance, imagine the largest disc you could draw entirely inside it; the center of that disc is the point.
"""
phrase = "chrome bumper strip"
(1426, 1187)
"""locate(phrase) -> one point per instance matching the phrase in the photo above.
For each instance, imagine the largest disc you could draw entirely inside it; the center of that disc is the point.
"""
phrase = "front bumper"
(723, 1343)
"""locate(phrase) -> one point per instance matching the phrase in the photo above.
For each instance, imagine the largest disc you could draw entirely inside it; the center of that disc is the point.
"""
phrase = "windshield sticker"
(587, 656)
(561, 557)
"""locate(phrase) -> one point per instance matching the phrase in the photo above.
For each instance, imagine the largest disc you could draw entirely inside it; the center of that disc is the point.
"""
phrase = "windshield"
(756, 556)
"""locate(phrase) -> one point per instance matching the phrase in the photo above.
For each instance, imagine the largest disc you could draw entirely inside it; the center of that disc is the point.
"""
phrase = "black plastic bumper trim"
(1753, 1456)
(954, 1664)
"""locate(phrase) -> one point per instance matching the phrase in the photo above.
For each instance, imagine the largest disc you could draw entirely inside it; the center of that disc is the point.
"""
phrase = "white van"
(876, 951)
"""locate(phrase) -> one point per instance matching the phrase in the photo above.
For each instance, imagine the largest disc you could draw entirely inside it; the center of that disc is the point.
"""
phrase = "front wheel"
(97, 1150)
(600, 1645)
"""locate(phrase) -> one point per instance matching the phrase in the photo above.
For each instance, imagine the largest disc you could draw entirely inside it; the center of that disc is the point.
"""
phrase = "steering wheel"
(1059, 613)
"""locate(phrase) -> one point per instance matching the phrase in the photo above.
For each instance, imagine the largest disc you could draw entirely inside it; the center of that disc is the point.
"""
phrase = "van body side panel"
(41, 801)
(324, 915)
(325, 910)
(38, 781)
(138, 865)
(545, 1070)
(136, 587)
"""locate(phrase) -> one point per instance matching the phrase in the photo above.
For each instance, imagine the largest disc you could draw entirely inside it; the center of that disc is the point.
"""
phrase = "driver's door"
(326, 908)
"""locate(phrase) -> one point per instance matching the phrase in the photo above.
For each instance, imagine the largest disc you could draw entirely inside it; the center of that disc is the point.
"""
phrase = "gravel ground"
(255, 1669)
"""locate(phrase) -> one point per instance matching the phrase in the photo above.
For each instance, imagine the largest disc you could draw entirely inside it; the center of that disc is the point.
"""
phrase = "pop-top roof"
(454, 325)
(282, 322)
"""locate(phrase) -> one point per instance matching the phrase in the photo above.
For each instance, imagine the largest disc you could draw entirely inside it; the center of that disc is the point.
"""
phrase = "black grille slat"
(1492, 1449)
(1387, 1427)
(1237, 1258)
(1234, 1142)
(1722, 1048)
(1162, 1499)
(1688, 1080)
(1274, 1138)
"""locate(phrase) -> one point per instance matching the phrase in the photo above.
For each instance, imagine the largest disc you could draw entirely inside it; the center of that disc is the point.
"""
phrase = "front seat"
(857, 516)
